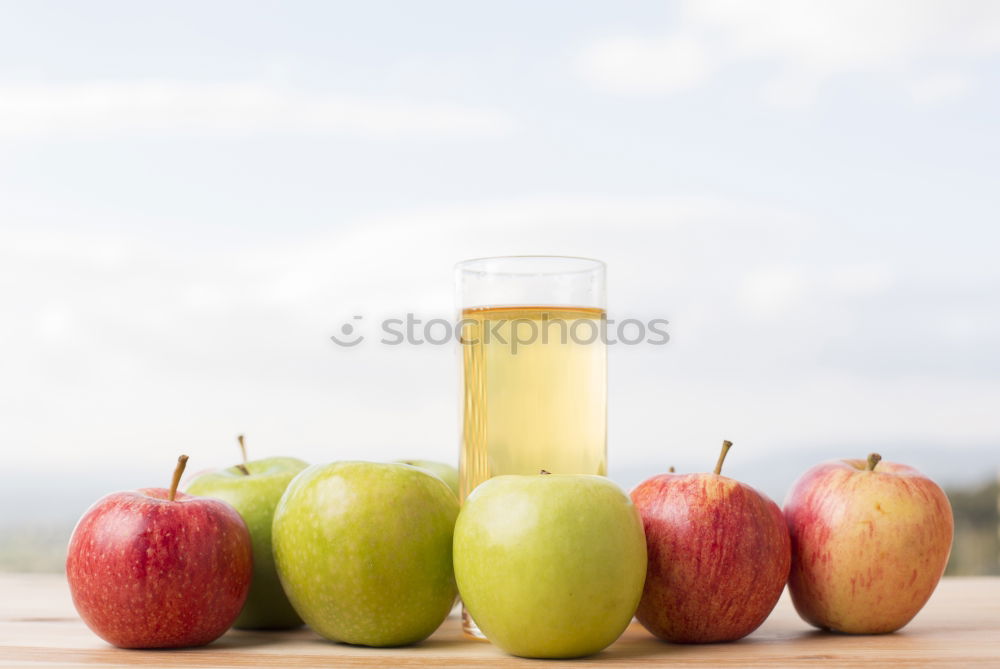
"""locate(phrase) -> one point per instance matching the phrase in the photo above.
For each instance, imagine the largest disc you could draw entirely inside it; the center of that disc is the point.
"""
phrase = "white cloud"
(100, 108)
(804, 44)
(940, 87)
(138, 347)
(633, 65)
(772, 290)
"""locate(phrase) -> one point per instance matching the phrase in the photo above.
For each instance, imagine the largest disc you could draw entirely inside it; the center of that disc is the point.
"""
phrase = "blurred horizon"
(194, 198)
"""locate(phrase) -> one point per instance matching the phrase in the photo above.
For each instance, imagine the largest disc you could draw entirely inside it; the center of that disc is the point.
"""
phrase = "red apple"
(154, 568)
(718, 555)
(869, 544)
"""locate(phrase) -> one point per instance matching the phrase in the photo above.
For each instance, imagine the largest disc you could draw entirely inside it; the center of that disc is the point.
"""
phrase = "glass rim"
(577, 265)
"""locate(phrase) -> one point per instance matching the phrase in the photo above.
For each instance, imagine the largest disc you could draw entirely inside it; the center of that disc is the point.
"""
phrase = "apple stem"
(726, 445)
(543, 471)
(243, 449)
(178, 472)
(671, 470)
(873, 459)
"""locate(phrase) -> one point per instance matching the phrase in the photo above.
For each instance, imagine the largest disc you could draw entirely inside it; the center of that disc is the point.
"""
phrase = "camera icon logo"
(347, 330)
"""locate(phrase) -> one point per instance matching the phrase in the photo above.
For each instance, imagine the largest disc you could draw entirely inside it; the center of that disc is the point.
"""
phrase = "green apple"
(550, 566)
(446, 473)
(363, 550)
(254, 489)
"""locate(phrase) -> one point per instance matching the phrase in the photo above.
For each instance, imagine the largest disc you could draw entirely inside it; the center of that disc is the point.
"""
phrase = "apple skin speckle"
(147, 572)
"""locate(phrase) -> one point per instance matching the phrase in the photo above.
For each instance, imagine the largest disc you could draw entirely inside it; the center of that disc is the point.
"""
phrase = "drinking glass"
(534, 370)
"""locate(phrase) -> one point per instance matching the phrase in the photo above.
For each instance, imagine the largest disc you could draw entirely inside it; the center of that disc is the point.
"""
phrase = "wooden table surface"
(959, 626)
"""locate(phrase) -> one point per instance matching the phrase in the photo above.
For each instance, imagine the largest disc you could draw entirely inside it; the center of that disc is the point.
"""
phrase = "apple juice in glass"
(534, 369)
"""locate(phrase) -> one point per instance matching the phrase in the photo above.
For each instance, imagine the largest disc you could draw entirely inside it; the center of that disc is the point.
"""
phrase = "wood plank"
(961, 624)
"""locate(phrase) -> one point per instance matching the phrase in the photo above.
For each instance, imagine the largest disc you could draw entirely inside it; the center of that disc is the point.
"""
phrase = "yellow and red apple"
(870, 541)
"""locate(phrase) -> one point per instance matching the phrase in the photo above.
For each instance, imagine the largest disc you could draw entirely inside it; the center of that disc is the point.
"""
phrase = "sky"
(195, 196)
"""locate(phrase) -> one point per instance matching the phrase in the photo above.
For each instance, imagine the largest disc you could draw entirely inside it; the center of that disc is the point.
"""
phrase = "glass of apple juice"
(534, 370)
